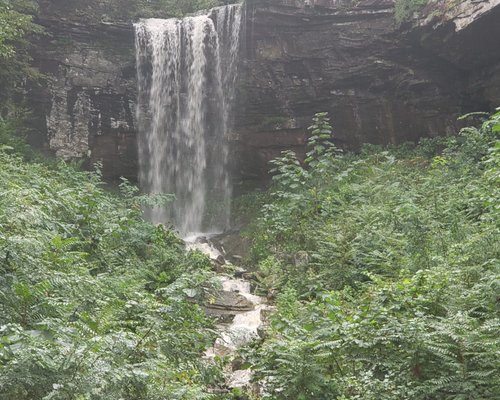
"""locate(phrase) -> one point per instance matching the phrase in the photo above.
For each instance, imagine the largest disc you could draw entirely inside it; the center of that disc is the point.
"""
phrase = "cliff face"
(89, 101)
(466, 35)
(380, 84)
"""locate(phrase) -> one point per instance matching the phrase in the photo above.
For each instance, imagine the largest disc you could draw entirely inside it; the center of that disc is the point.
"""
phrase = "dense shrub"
(176, 8)
(387, 268)
(95, 303)
(91, 11)
(17, 28)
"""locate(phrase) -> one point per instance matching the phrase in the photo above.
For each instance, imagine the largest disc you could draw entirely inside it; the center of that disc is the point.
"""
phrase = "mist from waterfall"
(186, 72)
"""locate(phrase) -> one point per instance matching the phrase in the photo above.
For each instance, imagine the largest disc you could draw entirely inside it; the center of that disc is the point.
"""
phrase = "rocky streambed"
(240, 314)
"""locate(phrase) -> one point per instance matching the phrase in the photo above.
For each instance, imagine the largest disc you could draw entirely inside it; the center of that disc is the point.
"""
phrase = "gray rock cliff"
(89, 102)
(379, 82)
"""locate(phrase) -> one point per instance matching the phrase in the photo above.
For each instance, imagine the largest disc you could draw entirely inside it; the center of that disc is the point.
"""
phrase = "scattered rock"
(231, 301)
(240, 379)
(249, 276)
(240, 314)
(237, 364)
(239, 272)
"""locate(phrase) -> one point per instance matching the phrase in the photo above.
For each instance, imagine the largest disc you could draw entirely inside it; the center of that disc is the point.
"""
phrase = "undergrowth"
(386, 266)
(95, 303)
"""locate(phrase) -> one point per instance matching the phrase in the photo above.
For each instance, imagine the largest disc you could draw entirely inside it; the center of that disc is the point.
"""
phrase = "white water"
(241, 331)
(186, 72)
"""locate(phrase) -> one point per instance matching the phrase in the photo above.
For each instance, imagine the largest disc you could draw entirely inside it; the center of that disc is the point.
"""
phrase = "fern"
(79, 316)
(388, 264)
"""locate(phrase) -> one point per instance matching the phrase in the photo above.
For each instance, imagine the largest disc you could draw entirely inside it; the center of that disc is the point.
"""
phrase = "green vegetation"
(406, 9)
(386, 266)
(16, 27)
(16, 23)
(95, 303)
(125, 10)
(12, 136)
(176, 8)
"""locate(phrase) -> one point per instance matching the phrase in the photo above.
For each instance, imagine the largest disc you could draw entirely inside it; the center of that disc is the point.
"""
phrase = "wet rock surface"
(466, 33)
(88, 104)
(240, 331)
(241, 317)
(380, 83)
(232, 301)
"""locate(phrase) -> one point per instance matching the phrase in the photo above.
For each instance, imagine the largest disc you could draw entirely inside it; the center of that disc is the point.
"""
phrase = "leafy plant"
(175, 8)
(406, 9)
(386, 265)
(15, 61)
(95, 303)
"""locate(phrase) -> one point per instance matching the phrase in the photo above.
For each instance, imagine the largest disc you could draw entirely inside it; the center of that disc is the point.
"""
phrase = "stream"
(239, 312)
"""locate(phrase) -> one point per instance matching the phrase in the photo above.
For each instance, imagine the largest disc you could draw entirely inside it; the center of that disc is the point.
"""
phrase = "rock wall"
(89, 98)
(380, 83)
(466, 34)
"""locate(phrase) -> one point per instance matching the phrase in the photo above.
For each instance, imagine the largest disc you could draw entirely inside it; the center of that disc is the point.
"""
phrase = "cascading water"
(186, 72)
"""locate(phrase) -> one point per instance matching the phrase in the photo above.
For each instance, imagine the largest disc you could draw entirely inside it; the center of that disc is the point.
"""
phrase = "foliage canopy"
(16, 27)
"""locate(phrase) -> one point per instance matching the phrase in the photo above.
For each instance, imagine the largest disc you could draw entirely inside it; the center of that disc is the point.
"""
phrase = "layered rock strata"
(88, 104)
(379, 82)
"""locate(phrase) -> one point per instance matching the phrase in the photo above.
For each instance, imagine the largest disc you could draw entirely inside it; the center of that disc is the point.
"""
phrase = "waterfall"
(186, 72)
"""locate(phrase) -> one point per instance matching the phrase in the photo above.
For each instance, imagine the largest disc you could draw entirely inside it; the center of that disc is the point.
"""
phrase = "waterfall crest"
(186, 72)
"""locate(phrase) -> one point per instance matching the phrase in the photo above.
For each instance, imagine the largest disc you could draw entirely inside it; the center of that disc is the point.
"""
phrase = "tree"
(16, 26)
